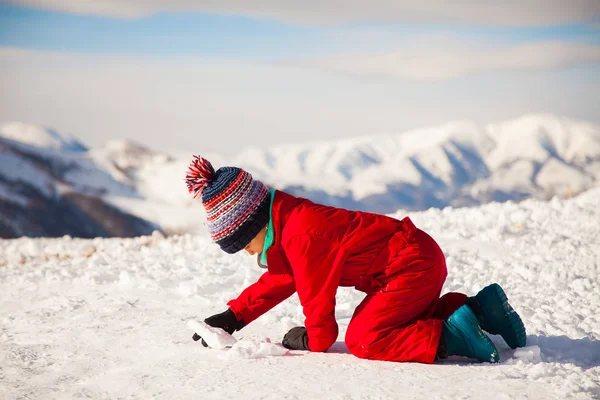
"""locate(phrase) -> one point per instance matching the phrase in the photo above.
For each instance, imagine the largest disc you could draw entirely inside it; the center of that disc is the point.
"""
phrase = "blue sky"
(287, 75)
(161, 35)
(166, 34)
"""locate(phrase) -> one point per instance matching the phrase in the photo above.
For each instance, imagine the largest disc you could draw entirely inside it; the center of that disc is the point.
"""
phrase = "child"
(313, 249)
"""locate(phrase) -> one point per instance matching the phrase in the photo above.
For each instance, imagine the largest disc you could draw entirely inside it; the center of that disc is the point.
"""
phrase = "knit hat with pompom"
(237, 206)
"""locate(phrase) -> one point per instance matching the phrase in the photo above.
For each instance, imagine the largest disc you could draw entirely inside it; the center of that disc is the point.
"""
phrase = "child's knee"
(356, 349)
(358, 346)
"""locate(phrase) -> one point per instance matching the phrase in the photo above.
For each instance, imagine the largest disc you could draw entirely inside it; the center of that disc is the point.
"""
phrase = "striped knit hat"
(237, 206)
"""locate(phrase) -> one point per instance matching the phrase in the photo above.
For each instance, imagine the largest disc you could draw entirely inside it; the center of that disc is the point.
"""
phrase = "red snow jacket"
(317, 249)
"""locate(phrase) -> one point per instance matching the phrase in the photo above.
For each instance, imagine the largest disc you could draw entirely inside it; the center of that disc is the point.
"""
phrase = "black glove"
(296, 339)
(225, 320)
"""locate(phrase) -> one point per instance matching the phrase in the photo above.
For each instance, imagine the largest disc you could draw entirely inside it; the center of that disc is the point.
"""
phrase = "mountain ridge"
(53, 189)
(446, 159)
(459, 163)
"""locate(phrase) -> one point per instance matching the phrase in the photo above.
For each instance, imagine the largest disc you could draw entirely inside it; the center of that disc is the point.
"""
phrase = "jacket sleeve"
(261, 296)
(317, 266)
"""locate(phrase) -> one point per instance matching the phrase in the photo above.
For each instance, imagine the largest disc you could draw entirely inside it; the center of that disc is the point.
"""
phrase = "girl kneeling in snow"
(313, 249)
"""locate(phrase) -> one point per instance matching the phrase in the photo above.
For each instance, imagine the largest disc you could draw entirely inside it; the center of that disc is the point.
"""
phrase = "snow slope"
(107, 318)
(158, 180)
(49, 186)
(458, 163)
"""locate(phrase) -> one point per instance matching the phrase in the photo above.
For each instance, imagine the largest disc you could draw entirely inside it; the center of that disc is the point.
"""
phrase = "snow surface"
(106, 318)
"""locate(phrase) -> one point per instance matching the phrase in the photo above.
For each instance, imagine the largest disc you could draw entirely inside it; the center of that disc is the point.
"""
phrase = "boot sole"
(486, 350)
(502, 320)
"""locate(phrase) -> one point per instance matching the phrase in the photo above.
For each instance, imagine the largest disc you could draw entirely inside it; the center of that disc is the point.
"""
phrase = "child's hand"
(225, 320)
(296, 339)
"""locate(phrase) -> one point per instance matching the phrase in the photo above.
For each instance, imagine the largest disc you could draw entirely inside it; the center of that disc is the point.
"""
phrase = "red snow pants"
(403, 321)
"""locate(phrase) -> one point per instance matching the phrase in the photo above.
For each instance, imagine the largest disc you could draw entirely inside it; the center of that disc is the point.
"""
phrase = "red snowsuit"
(319, 248)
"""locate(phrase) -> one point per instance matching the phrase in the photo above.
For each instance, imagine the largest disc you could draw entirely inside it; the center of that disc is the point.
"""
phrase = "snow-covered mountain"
(459, 163)
(40, 137)
(49, 186)
(456, 164)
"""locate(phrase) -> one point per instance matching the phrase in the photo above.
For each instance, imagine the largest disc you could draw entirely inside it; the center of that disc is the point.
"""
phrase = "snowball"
(215, 338)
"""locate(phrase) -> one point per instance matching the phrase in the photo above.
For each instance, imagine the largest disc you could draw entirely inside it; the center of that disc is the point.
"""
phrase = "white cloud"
(448, 62)
(486, 12)
(225, 105)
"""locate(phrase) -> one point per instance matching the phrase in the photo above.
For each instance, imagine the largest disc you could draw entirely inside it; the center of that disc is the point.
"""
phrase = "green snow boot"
(496, 316)
(463, 336)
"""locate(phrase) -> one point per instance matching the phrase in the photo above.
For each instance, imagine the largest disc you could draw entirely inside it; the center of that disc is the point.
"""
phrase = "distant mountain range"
(456, 164)
(52, 185)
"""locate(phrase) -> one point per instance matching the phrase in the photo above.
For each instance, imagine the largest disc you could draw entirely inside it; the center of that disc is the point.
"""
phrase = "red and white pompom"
(200, 173)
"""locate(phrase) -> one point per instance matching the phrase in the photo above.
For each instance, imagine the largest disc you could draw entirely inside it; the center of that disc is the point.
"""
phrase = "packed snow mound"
(40, 137)
(106, 318)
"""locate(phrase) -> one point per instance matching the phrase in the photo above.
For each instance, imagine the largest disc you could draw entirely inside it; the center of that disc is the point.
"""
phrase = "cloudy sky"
(223, 75)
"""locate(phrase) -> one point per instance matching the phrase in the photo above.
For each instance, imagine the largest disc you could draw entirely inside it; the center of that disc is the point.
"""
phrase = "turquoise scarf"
(270, 236)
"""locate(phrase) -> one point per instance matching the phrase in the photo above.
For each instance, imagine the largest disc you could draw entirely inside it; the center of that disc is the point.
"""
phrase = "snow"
(557, 175)
(458, 163)
(87, 177)
(172, 219)
(107, 318)
(8, 195)
(161, 194)
(15, 168)
(453, 154)
(54, 170)
(255, 348)
(39, 137)
(215, 338)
